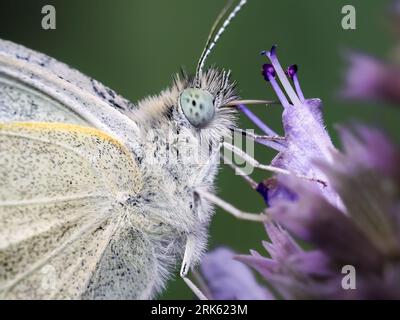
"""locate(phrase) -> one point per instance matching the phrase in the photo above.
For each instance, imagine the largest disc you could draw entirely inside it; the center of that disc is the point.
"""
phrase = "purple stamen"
(292, 70)
(263, 127)
(281, 96)
(271, 55)
(268, 71)
(262, 189)
(272, 52)
(292, 73)
(272, 144)
(256, 120)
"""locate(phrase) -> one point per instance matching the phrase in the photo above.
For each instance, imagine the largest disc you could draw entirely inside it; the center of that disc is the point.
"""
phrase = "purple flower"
(306, 138)
(365, 234)
(219, 268)
(351, 220)
(368, 78)
(290, 269)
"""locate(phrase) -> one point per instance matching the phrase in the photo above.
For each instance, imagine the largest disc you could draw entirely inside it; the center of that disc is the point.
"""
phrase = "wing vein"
(15, 203)
(83, 231)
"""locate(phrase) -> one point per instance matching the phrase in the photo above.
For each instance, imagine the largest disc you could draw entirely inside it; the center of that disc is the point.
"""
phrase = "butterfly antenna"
(214, 35)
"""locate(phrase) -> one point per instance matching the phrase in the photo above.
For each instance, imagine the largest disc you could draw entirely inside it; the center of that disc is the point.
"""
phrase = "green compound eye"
(198, 106)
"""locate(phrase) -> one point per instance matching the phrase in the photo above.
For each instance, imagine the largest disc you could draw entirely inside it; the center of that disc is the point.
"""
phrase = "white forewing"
(63, 208)
(19, 102)
(35, 87)
(69, 186)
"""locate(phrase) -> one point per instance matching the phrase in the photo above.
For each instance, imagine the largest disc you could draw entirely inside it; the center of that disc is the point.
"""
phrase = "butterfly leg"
(275, 141)
(241, 173)
(260, 217)
(253, 162)
(186, 264)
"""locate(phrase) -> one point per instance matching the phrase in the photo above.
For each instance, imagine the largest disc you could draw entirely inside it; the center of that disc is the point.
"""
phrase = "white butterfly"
(90, 205)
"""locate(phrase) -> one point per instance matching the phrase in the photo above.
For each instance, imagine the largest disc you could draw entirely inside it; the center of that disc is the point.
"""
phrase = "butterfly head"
(202, 100)
(199, 102)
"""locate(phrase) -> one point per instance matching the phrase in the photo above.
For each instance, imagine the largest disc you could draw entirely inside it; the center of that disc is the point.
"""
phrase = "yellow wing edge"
(66, 127)
(79, 129)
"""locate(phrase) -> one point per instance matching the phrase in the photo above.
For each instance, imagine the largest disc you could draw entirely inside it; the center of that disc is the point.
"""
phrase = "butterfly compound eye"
(198, 106)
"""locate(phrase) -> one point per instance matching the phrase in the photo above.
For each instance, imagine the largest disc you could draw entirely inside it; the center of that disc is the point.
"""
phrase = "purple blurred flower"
(219, 268)
(366, 234)
(368, 78)
(351, 221)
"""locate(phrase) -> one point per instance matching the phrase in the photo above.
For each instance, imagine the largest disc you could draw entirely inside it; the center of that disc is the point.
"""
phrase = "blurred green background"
(135, 47)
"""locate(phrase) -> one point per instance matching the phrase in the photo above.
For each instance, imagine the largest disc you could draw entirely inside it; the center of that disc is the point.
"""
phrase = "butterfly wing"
(61, 226)
(64, 213)
(128, 268)
(35, 87)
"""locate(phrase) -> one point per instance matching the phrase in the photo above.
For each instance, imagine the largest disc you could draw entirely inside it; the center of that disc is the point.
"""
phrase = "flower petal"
(368, 78)
(313, 219)
(369, 186)
(228, 279)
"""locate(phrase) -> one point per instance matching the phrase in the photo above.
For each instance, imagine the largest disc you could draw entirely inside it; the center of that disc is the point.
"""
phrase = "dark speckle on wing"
(110, 96)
